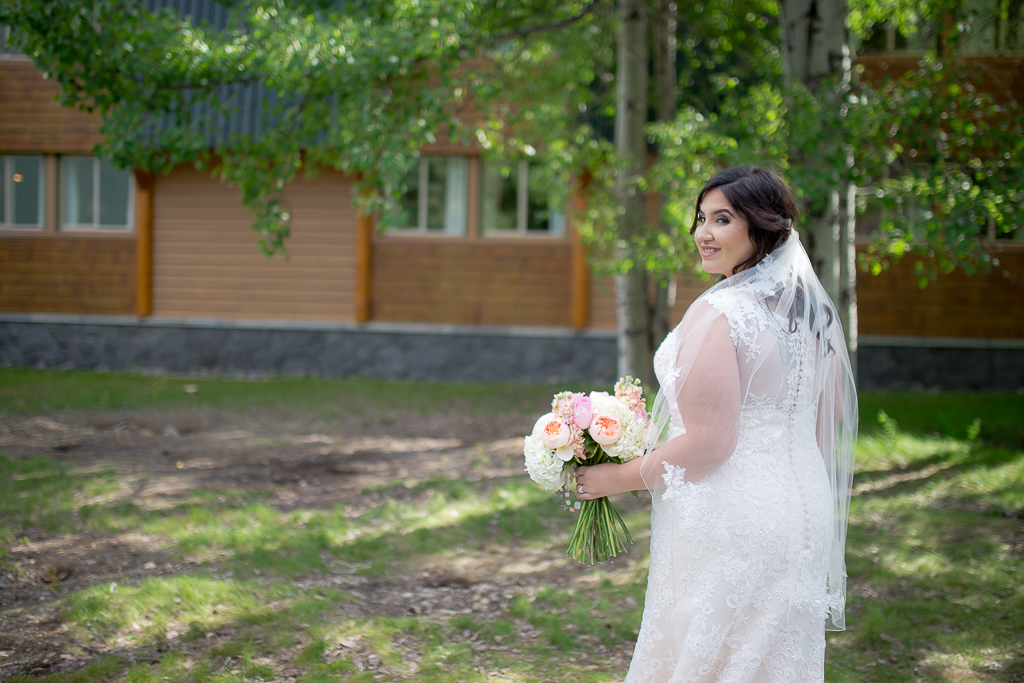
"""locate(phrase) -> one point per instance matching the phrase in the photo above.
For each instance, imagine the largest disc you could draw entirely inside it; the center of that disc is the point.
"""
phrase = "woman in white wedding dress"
(751, 456)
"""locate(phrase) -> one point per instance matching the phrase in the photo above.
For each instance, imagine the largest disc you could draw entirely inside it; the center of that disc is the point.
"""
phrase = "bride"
(751, 457)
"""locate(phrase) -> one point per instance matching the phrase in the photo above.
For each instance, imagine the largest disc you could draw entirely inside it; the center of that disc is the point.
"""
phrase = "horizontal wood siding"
(985, 305)
(67, 274)
(602, 300)
(1002, 77)
(471, 283)
(688, 288)
(603, 313)
(207, 262)
(32, 120)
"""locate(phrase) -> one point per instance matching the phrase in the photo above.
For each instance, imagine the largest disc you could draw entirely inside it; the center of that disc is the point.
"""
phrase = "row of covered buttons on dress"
(791, 431)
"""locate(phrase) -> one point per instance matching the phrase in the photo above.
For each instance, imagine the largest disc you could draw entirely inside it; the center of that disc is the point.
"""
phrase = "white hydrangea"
(543, 466)
(633, 441)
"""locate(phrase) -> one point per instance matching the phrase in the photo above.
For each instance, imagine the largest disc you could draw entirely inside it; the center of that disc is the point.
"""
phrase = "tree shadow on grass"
(898, 480)
(435, 517)
(199, 627)
(1014, 671)
(932, 581)
(164, 622)
(239, 534)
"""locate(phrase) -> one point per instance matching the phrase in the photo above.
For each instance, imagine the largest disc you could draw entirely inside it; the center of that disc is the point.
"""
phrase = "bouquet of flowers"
(590, 429)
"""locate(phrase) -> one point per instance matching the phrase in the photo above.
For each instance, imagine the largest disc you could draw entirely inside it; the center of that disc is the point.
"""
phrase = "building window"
(7, 47)
(435, 197)
(94, 195)
(21, 193)
(516, 201)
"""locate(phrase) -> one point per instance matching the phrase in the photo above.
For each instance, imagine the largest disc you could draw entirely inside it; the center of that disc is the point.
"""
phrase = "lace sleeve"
(704, 393)
(747, 319)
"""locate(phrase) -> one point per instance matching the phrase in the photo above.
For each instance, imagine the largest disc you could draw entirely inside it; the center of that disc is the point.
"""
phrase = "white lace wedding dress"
(737, 589)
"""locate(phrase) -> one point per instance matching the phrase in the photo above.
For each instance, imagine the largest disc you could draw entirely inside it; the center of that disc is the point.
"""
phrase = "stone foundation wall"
(431, 353)
(252, 350)
(945, 368)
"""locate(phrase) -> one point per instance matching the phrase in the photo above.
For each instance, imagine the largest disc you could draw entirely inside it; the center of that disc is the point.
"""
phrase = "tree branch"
(543, 28)
(1004, 272)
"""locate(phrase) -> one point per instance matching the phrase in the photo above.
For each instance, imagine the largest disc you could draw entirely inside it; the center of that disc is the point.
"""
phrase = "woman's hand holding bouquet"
(589, 429)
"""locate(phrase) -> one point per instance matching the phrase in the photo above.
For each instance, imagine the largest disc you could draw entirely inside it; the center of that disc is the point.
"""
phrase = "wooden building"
(92, 254)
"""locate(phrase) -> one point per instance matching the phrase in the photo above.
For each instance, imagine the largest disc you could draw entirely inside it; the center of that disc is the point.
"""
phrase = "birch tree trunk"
(815, 47)
(635, 355)
(666, 88)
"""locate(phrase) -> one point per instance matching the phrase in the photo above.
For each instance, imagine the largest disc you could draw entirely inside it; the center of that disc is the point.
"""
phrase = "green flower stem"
(600, 533)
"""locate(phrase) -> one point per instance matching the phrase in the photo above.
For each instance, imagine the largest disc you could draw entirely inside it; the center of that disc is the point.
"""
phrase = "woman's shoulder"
(701, 313)
(734, 303)
(703, 319)
(742, 314)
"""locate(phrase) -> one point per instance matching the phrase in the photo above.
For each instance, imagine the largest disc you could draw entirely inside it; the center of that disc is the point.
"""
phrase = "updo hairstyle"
(762, 197)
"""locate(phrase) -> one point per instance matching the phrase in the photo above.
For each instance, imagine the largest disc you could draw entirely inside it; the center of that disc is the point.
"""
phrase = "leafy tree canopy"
(353, 86)
(361, 87)
(938, 162)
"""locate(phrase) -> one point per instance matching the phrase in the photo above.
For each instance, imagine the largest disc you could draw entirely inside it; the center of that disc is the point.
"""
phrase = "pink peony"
(605, 429)
(555, 434)
(582, 411)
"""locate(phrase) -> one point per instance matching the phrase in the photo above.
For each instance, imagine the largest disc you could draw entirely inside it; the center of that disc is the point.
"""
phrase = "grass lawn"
(270, 582)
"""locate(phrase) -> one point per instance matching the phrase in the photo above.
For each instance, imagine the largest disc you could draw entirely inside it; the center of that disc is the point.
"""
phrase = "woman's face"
(722, 235)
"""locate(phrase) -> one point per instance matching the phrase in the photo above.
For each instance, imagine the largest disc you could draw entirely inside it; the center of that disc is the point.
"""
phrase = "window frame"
(423, 200)
(6, 51)
(8, 192)
(522, 206)
(95, 226)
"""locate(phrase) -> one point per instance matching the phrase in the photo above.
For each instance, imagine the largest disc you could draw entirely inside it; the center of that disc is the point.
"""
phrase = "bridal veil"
(775, 334)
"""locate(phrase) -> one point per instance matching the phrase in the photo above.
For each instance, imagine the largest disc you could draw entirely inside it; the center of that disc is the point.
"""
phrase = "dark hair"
(762, 197)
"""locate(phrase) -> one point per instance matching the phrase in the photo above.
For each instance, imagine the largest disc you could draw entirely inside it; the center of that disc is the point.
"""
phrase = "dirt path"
(160, 458)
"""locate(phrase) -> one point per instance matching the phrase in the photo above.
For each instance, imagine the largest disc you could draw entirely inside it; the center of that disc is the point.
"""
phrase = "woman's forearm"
(699, 456)
(628, 477)
(607, 479)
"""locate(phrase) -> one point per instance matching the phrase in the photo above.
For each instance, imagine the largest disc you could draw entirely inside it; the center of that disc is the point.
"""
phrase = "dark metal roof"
(215, 14)
(249, 105)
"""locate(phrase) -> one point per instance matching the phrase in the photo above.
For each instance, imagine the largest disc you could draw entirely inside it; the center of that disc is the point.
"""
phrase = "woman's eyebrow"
(717, 211)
